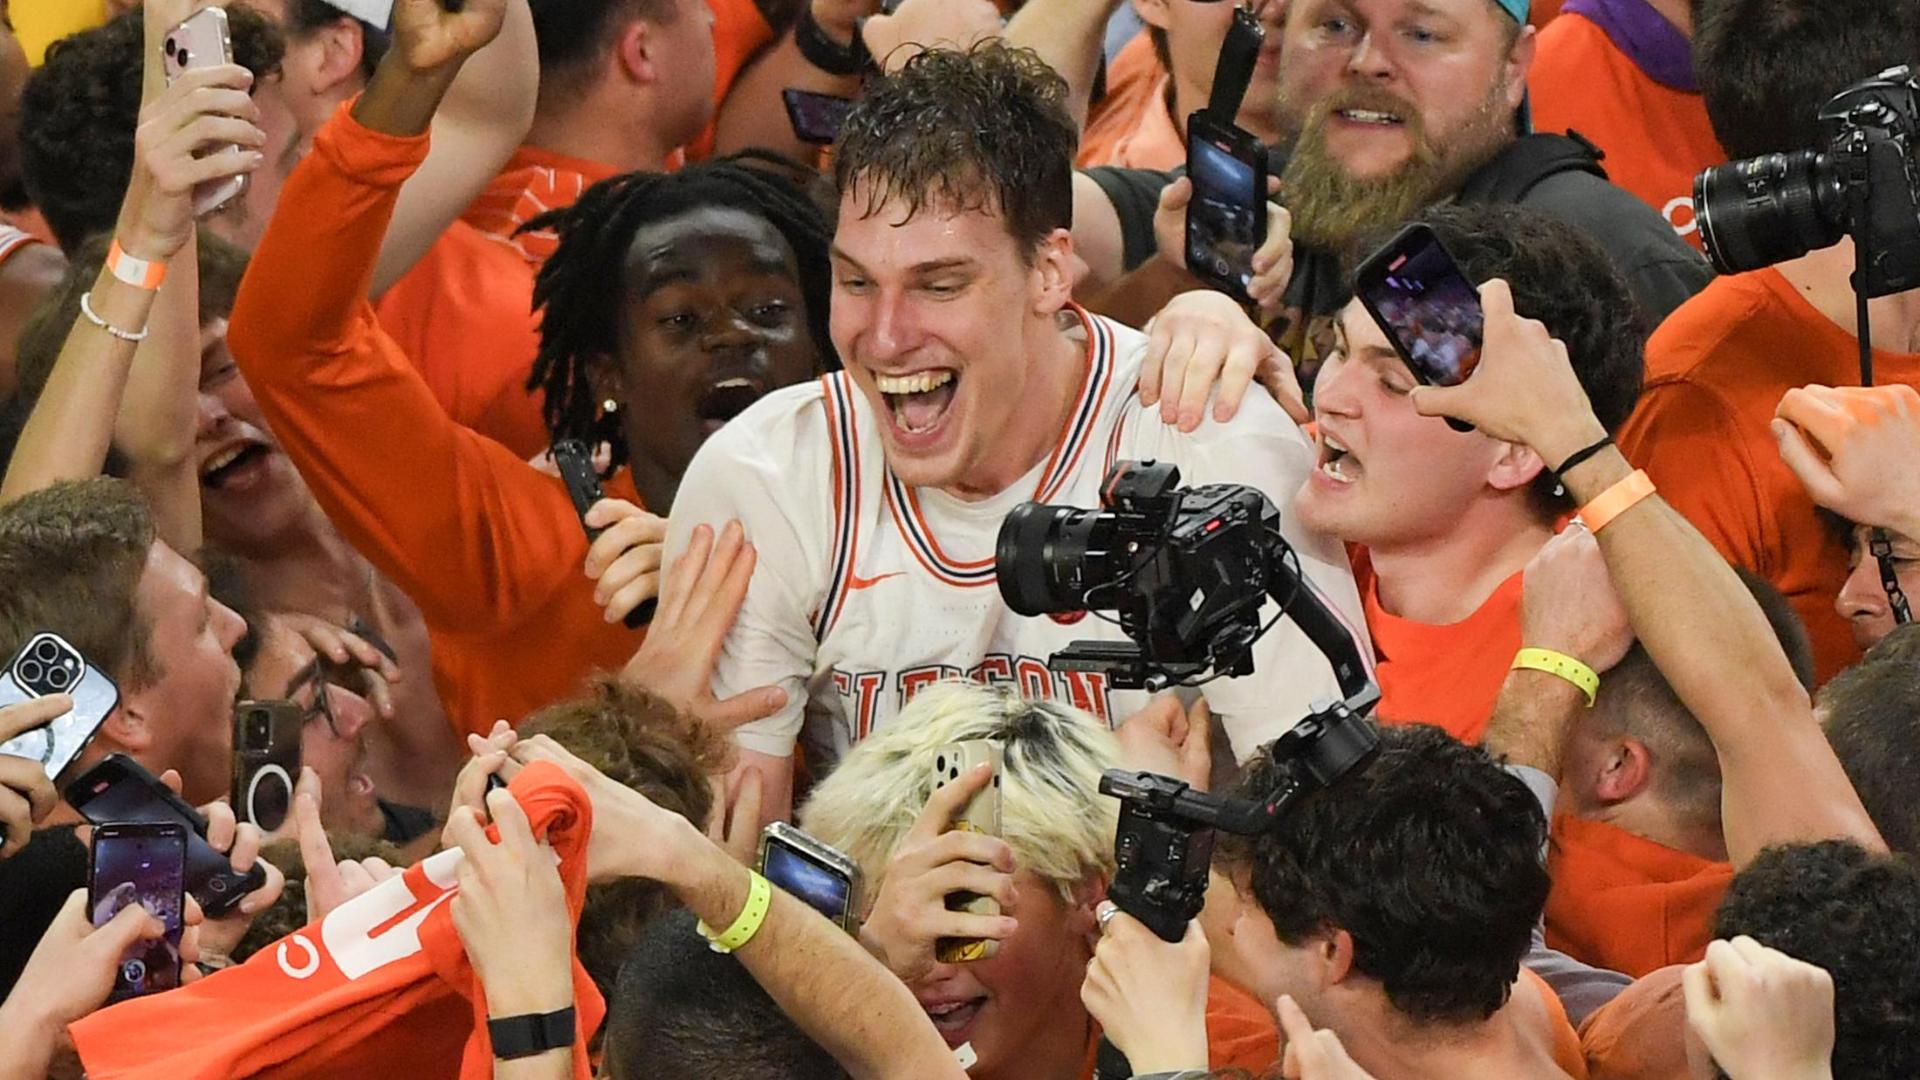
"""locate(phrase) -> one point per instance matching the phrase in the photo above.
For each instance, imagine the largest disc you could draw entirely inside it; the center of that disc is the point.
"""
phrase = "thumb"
(1177, 195)
(744, 708)
(1429, 400)
(130, 924)
(1496, 299)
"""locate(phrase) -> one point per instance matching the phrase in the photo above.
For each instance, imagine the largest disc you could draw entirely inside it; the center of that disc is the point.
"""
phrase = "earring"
(609, 406)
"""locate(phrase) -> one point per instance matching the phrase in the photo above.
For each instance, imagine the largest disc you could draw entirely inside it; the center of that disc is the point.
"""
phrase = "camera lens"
(1768, 209)
(259, 729)
(267, 803)
(1041, 555)
(133, 972)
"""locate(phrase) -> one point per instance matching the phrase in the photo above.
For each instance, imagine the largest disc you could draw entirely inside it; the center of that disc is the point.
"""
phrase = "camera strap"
(1238, 54)
(1881, 547)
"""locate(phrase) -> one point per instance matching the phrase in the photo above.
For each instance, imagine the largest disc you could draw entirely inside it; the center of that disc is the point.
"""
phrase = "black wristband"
(1581, 455)
(533, 1033)
(825, 53)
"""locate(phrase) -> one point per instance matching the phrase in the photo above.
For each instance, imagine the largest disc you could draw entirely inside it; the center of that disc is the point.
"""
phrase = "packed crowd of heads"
(502, 565)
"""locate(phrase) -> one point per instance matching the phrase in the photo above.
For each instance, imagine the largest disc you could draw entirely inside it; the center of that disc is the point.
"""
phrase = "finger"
(1180, 355)
(366, 655)
(222, 826)
(378, 868)
(959, 845)
(465, 831)
(1283, 383)
(1278, 246)
(32, 713)
(211, 130)
(1696, 983)
(171, 778)
(716, 829)
(743, 824)
(1196, 754)
(953, 877)
(264, 897)
(1818, 413)
(944, 803)
(470, 787)
(722, 585)
(606, 512)
(1159, 340)
(231, 76)
(1203, 370)
(315, 851)
(246, 847)
(631, 563)
(29, 780)
(632, 595)
(942, 923)
(681, 588)
(516, 832)
(1293, 1021)
(613, 543)
(130, 924)
(1236, 374)
(1496, 300)
(744, 708)
(17, 815)
(354, 878)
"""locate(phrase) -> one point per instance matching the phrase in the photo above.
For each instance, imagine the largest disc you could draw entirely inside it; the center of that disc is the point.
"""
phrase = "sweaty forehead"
(1390, 10)
(699, 237)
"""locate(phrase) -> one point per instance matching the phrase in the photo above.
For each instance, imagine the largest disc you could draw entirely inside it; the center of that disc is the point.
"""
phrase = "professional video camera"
(1866, 182)
(1186, 571)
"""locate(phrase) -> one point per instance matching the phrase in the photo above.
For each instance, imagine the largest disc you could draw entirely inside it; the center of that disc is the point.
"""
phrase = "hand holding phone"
(204, 40)
(817, 873)
(575, 463)
(980, 815)
(45, 665)
(119, 789)
(1427, 307)
(266, 760)
(816, 118)
(141, 863)
(1227, 215)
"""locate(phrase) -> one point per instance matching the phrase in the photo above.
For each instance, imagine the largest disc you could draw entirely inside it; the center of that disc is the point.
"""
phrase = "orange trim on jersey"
(844, 443)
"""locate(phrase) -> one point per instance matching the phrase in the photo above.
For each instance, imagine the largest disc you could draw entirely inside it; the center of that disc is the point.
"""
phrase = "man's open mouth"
(1376, 117)
(726, 399)
(231, 463)
(1337, 463)
(920, 400)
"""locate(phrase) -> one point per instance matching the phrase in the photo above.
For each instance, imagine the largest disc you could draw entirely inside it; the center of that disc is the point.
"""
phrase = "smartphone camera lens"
(31, 671)
(217, 884)
(133, 972)
(259, 729)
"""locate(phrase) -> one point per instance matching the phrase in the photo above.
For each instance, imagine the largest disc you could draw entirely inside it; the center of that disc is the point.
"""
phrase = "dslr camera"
(1865, 181)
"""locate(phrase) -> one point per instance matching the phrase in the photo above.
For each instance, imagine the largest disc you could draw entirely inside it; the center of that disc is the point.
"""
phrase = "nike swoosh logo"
(855, 582)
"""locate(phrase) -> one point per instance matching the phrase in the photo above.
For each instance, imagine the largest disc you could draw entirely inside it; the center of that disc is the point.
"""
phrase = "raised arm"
(817, 973)
(482, 120)
(754, 113)
(1781, 782)
(1069, 36)
(1857, 451)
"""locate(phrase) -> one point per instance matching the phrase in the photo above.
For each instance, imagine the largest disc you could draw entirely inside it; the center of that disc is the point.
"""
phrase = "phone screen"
(816, 118)
(1224, 220)
(823, 888)
(143, 865)
(1426, 306)
(47, 664)
(117, 790)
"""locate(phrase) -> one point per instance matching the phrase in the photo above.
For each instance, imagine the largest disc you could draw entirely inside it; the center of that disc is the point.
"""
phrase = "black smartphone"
(119, 789)
(816, 118)
(583, 485)
(1227, 219)
(1427, 307)
(144, 863)
(266, 760)
(817, 873)
(47, 664)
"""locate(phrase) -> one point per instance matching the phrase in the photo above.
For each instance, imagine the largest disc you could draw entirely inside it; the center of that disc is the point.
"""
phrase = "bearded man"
(1386, 107)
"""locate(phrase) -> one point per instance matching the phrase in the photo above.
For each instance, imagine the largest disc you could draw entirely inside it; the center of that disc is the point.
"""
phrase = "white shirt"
(867, 591)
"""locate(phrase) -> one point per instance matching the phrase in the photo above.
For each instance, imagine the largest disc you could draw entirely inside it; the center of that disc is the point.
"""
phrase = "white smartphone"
(203, 40)
(47, 664)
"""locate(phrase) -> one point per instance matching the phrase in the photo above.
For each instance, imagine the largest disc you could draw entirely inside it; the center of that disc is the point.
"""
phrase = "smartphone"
(203, 40)
(47, 664)
(981, 815)
(1427, 307)
(120, 790)
(583, 485)
(817, 873)
(816, 118)
(1227, 219)
(266, 760)
(144, 863)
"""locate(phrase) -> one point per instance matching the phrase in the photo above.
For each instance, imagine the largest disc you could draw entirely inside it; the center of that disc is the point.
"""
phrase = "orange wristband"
(139, 273)
(1616, 500)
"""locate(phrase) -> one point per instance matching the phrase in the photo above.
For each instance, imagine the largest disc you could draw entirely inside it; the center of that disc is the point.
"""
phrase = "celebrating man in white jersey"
(972, 384)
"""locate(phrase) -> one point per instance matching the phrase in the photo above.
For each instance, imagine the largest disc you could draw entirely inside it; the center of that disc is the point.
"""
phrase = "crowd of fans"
(1633, 594)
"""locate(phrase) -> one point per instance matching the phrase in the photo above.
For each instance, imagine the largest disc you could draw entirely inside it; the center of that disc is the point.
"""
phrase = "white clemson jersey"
(867, 590)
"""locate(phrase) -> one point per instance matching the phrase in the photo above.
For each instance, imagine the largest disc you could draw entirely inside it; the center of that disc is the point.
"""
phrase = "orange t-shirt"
(1447, 676)
(1641, 1034)
(464, 315)
(1623, 902)
(1240, 1033)
(1132, 126)
(534, 182)
(1716, 370)
(1656, 138)
(381, 986)
(487, 546)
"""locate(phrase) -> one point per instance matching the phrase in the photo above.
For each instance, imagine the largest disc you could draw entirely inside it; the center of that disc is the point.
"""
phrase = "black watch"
(533, 1033)
(825, 53)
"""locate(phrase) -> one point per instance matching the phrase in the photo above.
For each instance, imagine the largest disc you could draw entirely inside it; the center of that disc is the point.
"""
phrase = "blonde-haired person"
(1021, 1008)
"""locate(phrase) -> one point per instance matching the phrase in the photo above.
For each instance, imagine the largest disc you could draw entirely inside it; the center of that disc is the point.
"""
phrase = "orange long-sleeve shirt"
(487, 546)
(1626, 903)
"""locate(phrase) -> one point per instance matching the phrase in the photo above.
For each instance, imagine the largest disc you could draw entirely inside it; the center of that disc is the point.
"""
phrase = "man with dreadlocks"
(671, 293)
(972, 383)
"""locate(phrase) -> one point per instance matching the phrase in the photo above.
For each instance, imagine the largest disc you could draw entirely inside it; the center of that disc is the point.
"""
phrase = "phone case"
(570, 456)
(141, 863)
(1207, 234)
(981, 815)
(48, 664)
(119, 789)
(266, 760)
(1369, 285)
(203, 40)
(781, 834)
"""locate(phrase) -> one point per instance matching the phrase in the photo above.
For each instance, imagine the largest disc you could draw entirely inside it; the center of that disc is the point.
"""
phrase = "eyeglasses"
(322, 704)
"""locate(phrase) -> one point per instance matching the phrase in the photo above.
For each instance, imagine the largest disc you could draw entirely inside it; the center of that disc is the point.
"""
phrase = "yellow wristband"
(747, 924)
(1555, 663)
(1623, 496)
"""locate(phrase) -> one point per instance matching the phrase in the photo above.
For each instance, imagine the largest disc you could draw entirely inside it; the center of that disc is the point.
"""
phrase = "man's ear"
(1519, 64)
(635, 52)
(1082, 920)
(1626, 770)
(1515, 466)
(1335, 953)
(1053, 272)
(128, 727)
(340, 46)
(1152, 12)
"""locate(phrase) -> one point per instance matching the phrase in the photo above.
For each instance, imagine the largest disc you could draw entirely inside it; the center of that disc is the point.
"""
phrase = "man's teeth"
(918, 383)
(221, 460)
(942, 1010)
(1369, 116)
